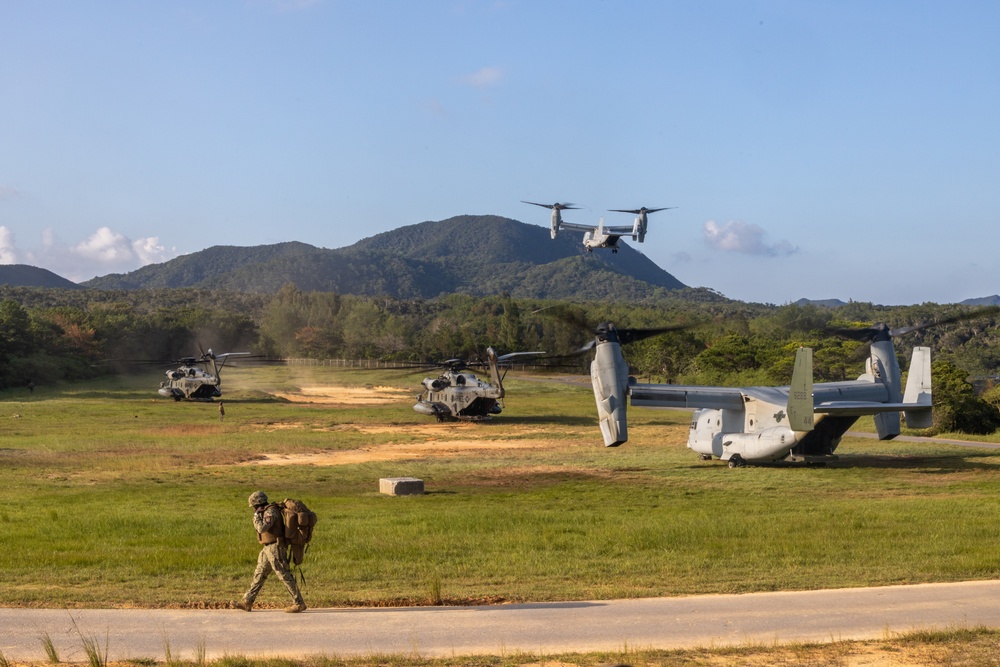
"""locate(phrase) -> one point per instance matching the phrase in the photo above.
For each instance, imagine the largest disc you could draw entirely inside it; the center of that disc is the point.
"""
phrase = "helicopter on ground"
(601, 236)
(457, 394)
(198, 378)
(802, 422)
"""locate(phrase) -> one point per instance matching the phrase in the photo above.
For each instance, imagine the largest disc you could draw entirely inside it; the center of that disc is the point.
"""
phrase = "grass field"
(112, 496)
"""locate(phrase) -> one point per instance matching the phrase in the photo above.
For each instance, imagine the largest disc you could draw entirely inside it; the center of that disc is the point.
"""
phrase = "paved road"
(713, 620)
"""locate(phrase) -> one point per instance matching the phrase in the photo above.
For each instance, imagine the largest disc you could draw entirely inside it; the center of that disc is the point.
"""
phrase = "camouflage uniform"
(273, 557)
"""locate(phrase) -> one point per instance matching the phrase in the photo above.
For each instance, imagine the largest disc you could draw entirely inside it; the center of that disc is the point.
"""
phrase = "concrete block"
(401, 486)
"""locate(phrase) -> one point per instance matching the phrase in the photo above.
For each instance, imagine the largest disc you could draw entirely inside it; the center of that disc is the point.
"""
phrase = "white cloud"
(484, 78)
(8, 249)
(105, 246)
(103, 252)
(150, 251)
(746, 238)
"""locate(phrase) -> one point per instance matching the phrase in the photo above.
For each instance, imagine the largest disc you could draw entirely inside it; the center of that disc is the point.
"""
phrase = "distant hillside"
(202, 268)
(22, 275)
(470, 254)
(821, 303)
(983, 301)
(837, 303)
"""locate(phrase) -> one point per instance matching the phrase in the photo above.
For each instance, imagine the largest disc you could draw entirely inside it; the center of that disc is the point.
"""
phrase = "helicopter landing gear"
(737, 461)
(706, 457)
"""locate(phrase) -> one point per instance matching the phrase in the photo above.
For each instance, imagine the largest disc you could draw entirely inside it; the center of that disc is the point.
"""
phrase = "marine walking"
(268, 522)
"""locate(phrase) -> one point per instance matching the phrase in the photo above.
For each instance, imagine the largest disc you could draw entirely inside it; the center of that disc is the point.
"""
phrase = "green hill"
(22, 275)
(467, 254)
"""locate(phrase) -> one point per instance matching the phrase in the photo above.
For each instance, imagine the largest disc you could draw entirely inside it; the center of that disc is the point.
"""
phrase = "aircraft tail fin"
(800, 392)
(918, 389)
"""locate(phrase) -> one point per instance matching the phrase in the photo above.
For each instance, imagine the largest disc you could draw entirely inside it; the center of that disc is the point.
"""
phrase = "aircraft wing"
(858, 408)
(681, 396)
(620, 231)
(576, 227)
(853, 397)
(856, 398)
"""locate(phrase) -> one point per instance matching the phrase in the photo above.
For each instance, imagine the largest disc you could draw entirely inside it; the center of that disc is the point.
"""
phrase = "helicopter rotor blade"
(640, 211)
(980, 312)
(632, 335)
(514, 355)
(556, 207)
(881, 331)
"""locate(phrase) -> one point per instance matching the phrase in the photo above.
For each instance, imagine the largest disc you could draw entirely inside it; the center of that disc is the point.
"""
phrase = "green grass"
(116, 497)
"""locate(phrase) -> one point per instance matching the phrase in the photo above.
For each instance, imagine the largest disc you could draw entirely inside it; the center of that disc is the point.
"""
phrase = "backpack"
(299, 521)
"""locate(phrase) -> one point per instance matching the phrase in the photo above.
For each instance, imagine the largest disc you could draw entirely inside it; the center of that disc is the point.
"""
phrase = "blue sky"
(813, 149)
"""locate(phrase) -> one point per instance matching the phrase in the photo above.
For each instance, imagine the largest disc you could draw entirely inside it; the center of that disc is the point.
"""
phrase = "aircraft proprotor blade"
(800, 392)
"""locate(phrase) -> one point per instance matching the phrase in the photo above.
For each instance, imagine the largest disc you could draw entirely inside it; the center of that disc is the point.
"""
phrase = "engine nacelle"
(639, 231)
(609, 376)
(434, 384)
(556, 221)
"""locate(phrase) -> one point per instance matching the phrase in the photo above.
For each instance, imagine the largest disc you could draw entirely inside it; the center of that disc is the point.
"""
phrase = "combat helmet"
(257, 498)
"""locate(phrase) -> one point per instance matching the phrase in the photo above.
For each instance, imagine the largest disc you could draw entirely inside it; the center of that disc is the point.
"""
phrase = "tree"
(956, 406)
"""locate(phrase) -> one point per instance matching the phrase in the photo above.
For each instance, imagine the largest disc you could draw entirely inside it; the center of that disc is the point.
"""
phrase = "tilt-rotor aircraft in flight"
(601, 236)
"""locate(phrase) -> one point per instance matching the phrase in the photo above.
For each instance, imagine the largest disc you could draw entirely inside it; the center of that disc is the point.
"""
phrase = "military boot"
(244, 605)
(296, 608)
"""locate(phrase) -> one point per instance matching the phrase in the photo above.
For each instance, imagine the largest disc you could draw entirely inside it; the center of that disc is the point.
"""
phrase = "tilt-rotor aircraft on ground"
(457, 394)
(799, 422)
(601, 236)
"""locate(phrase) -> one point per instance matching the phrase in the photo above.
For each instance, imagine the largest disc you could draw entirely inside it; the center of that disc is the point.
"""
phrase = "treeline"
(49, 335)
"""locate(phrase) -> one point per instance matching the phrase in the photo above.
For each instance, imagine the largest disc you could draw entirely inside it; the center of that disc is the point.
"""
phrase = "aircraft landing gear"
(737, 461)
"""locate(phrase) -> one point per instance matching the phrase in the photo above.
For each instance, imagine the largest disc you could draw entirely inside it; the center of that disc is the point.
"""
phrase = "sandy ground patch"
(334, 395)
(401, 451)
(440, 440)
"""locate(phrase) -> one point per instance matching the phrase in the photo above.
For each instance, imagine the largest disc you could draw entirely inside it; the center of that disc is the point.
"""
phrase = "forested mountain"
(22, 275)
(477, 255)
